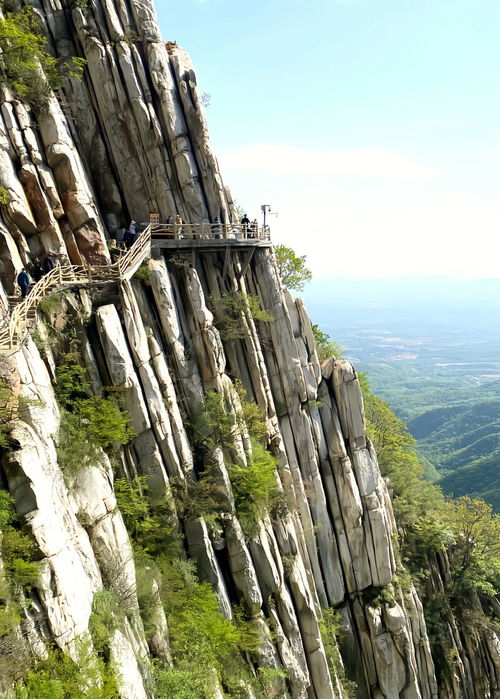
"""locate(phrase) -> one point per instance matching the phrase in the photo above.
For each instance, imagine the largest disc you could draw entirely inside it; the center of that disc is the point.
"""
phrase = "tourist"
(216, 228)
(178, 226)
(245, 222)
(48, 264)
(37, 271)
(128, 238)
(253, 228)
(23, 281)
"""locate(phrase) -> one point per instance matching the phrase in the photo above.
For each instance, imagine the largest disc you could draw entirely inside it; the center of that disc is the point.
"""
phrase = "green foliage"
(291, 268)
(105, 423)
(329, 627)
(87, 422)
(4, 195)
(475, 553)
(49, 305)
(377, 596)
(254, 487)
(325, 347)
(418, 506)
(429, 523)
(7, 511)
(18, 550)
(232, 308)
(200, 498)
(183, 682)
(18, 554)
(9, 617)
(143, 274)
(12, 407)
(478, 479)
(72, 384)
(58, 677)
(108, 612)
(24, 52)
(204, 643)
(215, 426)
(250, 415)
(149, 525)
(202, 639)
(272, 680)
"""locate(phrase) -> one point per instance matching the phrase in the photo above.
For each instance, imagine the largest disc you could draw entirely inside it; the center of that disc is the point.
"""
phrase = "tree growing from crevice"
(26, 66)
(292, 268)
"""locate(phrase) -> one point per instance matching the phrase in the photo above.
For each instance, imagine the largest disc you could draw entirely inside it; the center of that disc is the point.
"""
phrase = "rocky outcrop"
(128, 140)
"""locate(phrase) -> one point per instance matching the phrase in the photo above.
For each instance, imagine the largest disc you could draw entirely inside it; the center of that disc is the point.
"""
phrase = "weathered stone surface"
(129, 140)
(200, 548)
(241, 564)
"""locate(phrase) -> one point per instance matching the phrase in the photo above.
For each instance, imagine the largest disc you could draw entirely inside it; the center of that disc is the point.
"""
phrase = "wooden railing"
(207, 231)
(15, 328)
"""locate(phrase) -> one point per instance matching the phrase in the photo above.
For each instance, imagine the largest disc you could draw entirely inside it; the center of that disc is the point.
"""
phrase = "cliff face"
(127, 140)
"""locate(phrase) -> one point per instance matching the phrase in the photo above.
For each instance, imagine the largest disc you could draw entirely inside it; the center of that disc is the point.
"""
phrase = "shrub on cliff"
(88, 422)
(292, 268)
(18, 551)
(58, 677)
(231, 310)
(254, 487)
(25, 64)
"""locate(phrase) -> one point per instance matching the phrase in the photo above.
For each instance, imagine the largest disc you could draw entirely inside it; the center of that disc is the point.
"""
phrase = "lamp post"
(265, 208)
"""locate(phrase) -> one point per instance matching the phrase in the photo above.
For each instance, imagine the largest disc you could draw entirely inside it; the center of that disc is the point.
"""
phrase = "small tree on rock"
(292, 268)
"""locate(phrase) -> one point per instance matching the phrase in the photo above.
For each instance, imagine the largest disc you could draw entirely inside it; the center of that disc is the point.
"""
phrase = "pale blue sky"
(371, 126)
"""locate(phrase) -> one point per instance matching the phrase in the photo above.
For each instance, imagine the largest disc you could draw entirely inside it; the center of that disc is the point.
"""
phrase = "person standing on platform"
(178, 226)
(245, 222)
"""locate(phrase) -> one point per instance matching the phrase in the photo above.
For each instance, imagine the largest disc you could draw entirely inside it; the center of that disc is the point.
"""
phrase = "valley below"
(430, 348)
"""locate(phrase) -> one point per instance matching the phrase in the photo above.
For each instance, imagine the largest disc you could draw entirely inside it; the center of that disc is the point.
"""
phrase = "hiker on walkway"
(37, 273)
(23, 282)
(128, 238)
(48, 264)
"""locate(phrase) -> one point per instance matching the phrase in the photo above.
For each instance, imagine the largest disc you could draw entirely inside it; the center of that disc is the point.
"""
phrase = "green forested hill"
(463, 443)
(429, 348)
(479, 479)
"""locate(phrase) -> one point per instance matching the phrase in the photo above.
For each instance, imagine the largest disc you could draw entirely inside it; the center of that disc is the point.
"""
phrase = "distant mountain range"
(431, 348)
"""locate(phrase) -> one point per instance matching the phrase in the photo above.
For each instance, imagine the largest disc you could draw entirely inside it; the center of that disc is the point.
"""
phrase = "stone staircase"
(22, 312)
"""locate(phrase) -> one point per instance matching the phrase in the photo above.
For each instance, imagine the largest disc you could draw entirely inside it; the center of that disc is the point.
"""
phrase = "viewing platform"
(204, 236)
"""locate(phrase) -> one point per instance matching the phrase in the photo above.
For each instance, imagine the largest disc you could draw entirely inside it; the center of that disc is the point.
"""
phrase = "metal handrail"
(68, 275)
(207, 231)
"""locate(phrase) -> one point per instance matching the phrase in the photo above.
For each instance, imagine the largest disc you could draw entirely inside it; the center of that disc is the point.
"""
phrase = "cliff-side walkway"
(177, 236)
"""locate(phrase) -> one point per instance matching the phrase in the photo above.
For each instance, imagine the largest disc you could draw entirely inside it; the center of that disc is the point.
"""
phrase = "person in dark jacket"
(245, 222)
(37, 271)
(128, 238)
(48, 264)
(23, 282)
